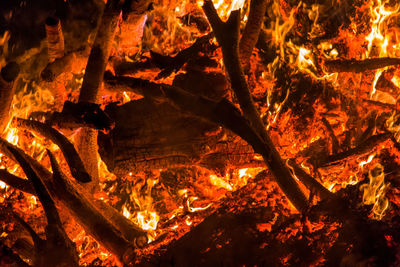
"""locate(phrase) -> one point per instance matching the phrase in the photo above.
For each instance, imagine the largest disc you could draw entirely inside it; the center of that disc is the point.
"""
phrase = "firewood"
(72, 157)
(109, 217)
(82, 114)
(362, 148)
(105, 232)
(227, 34)
(16, 182)
(55, 38)
(57, 249)
(98, 58)
(357, 66)
(252, 30)
(7, 77)
(57, 67)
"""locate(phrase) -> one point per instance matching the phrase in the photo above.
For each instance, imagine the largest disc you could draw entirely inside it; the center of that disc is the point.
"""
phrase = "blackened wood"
(357, 66)
(16, 182)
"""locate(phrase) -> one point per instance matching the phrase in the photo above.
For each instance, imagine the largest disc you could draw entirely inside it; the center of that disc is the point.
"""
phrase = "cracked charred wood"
(227, 34)
(82, 114)
(57, 67)
(55, 38)
(162, 136)
(86, 139)
(362, 148)
(16, 182)
(124, 226)
(8, 76)
(105, 232)
(72, 157)
(57, 249)
(252, 30)
(357, 66)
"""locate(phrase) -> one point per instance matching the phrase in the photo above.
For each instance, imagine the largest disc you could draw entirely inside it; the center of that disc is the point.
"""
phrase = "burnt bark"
(7, 77)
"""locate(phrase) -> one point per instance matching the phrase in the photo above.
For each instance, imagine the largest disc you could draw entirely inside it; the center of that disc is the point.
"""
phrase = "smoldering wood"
(81, 114)
(55, 38)
(9, 258)
(58, 67)
(335, 142)
(57, 249)
(353, 65)
(111, 237)
(227, 34)
(72, 157)
(252, 30)
(8, 75)
(108, 215)
(97, 61)
(362, 148)
(16, 182)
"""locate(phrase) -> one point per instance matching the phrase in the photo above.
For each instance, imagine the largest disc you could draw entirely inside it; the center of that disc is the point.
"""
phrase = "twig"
(357, 66)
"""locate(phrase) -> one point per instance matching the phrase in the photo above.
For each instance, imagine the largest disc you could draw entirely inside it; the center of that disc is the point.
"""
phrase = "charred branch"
(362, 148)
(357, 66)
(227, 34)
(16, 182)
(104, 231)
(335, 142)
(252, 30)
(72, 157)
(9, 258)
(55, 38)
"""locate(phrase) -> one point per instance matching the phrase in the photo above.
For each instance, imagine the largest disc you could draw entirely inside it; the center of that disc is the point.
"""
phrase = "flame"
(375, 192)
(147, 220)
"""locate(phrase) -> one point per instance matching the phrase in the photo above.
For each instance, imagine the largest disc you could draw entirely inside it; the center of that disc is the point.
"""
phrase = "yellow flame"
(375, 191)
(147, 220)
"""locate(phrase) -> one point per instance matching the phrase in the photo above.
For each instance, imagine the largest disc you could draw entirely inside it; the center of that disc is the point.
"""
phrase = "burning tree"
(202, 132)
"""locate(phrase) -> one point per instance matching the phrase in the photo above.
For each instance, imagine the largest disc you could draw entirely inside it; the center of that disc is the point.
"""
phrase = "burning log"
(75, 163)
(8, 75)
(57, 249)
(357, 66)
(335, 142)
(105, 232)
(57, 67)
(227, 34)
(98, 58)
(83, 207)
(55, 38)
(252, 30)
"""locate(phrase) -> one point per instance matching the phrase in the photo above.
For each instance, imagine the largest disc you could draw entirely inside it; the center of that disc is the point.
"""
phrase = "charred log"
(7, 77)
(360, 65)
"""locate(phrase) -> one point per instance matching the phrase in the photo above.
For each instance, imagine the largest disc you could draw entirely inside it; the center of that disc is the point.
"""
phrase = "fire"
(374, 192)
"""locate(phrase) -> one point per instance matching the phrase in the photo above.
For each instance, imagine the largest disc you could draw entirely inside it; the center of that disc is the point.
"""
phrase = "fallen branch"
(357, 66)
(74, 161)
(227, 34)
